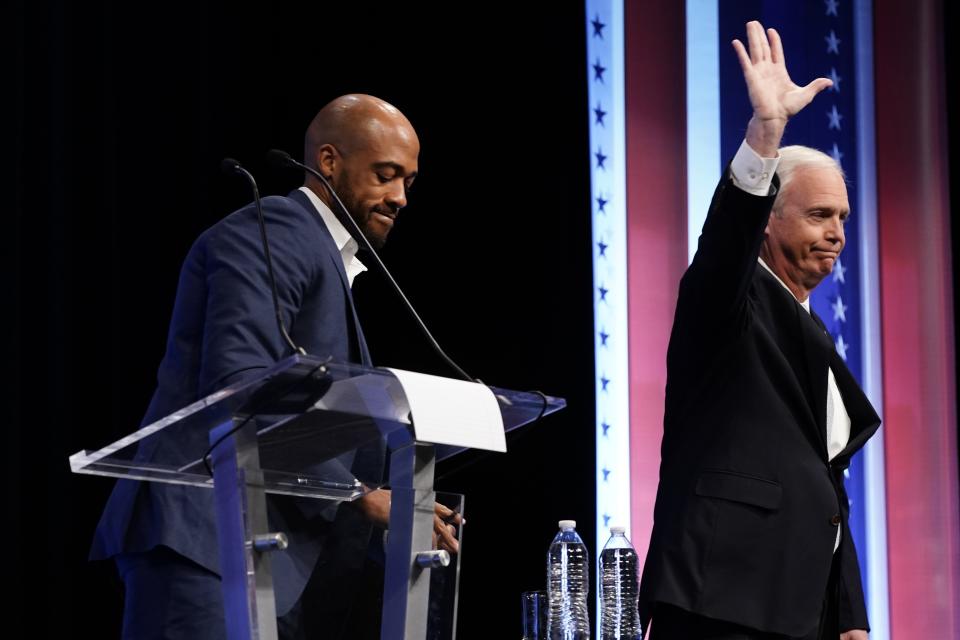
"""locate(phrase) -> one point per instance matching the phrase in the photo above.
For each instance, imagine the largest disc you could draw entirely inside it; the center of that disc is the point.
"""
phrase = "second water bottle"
(619, 590)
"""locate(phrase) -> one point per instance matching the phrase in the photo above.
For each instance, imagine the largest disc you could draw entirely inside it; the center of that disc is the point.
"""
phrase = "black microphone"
(282, 159)
(231, 166)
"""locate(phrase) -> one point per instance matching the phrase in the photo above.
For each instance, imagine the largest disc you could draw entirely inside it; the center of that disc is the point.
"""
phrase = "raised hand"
(775, 98)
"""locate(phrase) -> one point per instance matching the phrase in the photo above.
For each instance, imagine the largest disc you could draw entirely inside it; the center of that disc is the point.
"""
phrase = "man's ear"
(328, 160)
(775, 213)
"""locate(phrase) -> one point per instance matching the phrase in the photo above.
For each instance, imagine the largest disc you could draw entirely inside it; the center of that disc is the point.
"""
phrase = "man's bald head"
(367, 150)
(354, 121)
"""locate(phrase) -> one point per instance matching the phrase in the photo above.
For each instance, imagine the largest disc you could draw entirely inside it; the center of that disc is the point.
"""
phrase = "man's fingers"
(765, 45)
(444, 536)
(816, 87)
(446, 531)
(757, 41)
(447, 514)
(745, 64)
(776, 47)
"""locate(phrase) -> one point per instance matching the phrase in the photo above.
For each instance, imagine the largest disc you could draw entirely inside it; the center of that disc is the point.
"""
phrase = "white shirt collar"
(803, 303)
(346, 245)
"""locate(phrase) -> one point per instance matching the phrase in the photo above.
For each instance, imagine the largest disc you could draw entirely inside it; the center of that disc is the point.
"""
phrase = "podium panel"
(306, 427)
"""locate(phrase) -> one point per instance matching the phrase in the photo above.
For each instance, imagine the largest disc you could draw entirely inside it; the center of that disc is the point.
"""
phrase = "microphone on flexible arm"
(231, 167)
(282, 159)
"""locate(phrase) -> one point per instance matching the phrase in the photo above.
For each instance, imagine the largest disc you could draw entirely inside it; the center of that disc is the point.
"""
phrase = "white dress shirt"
(345, 243)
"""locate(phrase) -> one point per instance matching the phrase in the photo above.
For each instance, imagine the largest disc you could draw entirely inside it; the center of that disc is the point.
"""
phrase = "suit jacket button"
(835, 520)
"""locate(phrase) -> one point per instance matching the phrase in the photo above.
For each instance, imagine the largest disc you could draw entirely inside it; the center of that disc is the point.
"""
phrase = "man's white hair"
(795, 157)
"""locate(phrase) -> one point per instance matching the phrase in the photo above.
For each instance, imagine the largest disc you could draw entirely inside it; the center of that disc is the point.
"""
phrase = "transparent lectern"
(298, 429)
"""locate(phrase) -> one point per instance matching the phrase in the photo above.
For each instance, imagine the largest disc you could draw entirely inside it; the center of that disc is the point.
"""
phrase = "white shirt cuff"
(752, 173)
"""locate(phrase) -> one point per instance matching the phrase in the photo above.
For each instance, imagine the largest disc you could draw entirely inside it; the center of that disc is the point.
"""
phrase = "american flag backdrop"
(682, 114)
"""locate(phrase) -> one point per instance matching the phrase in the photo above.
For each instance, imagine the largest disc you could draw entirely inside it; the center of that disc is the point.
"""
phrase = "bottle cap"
(568, 524)
(616, 530)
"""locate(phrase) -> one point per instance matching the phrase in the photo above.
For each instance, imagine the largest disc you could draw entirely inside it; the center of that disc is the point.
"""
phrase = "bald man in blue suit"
(163, 537)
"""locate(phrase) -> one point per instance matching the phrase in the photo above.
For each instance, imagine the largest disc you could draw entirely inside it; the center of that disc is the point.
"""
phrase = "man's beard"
(364, 219)
(376, 241)
(362, 215)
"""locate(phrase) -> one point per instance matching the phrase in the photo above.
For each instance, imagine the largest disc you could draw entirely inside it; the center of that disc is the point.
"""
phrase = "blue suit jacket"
(223, 330)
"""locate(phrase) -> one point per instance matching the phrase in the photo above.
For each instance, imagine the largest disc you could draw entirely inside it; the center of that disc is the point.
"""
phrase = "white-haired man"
(750, 539)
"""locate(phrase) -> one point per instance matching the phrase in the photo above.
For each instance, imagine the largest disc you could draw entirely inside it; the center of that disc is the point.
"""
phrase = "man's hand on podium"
(375, 506)
(444, 531)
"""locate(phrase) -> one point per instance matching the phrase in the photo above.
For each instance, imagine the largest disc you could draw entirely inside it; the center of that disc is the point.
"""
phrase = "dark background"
(123, 113)
(120, 117)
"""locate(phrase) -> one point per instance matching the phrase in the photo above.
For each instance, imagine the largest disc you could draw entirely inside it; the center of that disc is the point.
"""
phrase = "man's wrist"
(764, 136)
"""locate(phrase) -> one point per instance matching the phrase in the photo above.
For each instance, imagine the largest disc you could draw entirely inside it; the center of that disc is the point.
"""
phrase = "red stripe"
(917, 321)
(655, 68)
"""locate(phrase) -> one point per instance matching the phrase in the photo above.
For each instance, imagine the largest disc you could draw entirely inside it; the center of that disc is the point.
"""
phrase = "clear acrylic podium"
(288, 431)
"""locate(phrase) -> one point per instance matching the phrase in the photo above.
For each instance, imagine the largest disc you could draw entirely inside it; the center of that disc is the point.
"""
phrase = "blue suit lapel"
(334, 255)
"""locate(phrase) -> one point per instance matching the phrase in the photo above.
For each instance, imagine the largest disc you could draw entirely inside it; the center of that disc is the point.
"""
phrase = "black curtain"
(121, 113)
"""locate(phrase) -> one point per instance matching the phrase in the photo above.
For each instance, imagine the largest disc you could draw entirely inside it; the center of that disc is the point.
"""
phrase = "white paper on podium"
(454, 412)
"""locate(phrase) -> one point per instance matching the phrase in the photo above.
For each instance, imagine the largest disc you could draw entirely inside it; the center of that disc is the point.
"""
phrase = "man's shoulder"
(288, 217)
(298, 240)
(294, 204)
(765, 286)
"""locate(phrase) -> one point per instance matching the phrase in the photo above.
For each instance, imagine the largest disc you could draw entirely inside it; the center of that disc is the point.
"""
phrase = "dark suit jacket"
(748, 504)
(224, 330)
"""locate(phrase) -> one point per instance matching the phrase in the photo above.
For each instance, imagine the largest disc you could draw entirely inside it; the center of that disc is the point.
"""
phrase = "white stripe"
(612, 360)
(873, 460)
(703, 114)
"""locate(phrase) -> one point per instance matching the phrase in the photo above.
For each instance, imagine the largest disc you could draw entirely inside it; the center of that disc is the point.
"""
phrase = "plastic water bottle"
(568, 582)
(619, 589)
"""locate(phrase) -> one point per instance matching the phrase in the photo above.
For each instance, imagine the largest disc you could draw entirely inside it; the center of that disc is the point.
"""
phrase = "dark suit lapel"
(337, 259)
(864, 420)
(817, 347)
(819, 355)
(797, 337)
